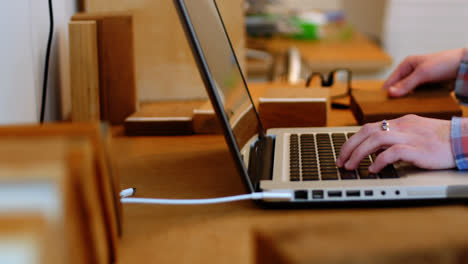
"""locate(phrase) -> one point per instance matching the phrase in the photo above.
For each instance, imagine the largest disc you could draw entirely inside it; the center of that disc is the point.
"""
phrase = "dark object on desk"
(329, 81)
(429, 100)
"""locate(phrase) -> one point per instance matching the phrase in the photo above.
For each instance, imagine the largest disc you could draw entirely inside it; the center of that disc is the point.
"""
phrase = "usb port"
(301, 195)
(317, 194)
(368, 192)
(334, 193)
(353, 193)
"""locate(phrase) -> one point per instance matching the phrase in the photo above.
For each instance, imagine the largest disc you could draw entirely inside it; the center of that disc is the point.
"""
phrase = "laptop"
(298, 161)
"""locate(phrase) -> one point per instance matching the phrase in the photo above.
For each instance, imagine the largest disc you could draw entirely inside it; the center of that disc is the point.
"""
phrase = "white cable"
(127, 192)
(278, 196)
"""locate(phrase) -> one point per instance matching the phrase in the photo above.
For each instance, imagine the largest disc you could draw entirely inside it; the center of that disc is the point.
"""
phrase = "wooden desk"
(357, 53)
(201, 167)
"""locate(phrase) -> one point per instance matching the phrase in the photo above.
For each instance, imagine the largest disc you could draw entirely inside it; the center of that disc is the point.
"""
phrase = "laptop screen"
(224, 69)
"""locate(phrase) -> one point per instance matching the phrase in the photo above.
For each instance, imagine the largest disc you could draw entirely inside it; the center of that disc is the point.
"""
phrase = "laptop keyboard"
(312, 157)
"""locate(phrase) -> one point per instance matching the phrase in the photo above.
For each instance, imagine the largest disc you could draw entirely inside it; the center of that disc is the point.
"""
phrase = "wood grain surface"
(200, 166)
(104, 173)
(117, 88)
(294, 107)
(84, 68)
(357, 53)
(374, 106)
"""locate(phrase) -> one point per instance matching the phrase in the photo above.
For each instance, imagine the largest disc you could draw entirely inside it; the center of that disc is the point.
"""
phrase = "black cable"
(329, 81)
(46, 66)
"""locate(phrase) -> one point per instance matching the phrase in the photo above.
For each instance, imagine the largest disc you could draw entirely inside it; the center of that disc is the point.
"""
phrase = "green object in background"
(306, 30)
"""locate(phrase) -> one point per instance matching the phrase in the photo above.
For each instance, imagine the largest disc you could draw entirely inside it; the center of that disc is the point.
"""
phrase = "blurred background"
(397, 27)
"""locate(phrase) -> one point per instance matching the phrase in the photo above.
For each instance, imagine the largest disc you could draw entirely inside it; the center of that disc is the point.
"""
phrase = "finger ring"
(385, 125)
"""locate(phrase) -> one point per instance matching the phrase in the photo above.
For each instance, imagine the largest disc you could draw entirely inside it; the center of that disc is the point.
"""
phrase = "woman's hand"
(419, 69)
(424, 142)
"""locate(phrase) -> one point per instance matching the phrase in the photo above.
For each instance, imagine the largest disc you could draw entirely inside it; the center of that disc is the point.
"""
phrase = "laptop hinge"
(261, 160)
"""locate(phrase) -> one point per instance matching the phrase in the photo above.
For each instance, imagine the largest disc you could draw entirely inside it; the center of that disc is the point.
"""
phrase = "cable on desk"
(279, 196)
(328, 81)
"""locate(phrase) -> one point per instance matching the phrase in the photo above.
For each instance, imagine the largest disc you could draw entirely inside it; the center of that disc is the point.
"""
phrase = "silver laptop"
(299, 161)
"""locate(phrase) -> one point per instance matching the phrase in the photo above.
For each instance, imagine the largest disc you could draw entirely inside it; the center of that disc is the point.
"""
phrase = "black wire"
(46, 66)
(328, 82)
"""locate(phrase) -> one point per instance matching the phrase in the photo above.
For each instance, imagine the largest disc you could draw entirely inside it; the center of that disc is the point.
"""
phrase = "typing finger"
(354, 141)
(376, 141)
(398, 152)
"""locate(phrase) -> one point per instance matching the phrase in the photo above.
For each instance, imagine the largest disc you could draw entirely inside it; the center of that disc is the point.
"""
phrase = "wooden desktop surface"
(200, 166)
(357, 53)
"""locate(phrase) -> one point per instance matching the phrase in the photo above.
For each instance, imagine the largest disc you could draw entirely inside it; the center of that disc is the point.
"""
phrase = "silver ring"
(385, 125)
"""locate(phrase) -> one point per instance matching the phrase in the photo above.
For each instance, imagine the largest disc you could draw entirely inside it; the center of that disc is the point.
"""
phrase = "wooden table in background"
(200, 166)
(358, 53)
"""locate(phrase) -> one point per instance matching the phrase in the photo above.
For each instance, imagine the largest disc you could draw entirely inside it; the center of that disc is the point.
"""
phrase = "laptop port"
(317, 194)
(301, 195)
(334, 193)
(353, 193)
(368, 192)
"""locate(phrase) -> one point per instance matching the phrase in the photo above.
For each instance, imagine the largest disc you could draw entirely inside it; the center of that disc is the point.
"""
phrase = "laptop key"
(310, 177)
(366, 175)
(388, 172)
(338, 140)
(347, 174)
(329, 176)
(294, 178)
(363, 169)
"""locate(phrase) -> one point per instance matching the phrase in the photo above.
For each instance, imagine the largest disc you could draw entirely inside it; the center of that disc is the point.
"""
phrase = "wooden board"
(84, 71)
(205, 120)
(162, 118)
(28, 236)
(118, 96)
(68, 213)
(373, 106)
(294, 107)
(106, 178)
(165, 68)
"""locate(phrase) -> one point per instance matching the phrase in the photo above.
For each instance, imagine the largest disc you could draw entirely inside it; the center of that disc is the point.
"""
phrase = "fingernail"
(393, 89)
(371, 168)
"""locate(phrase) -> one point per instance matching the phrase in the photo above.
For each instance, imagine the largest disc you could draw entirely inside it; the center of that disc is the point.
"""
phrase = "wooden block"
(294, 107)
(427, 101)
(205, 120)
(28, 236)
(162, 118)
(84, 71)
(105, 176)
(41, 179)
(118, 96)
